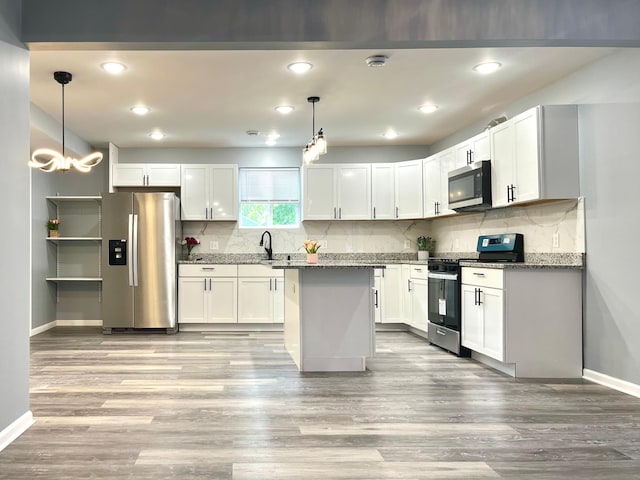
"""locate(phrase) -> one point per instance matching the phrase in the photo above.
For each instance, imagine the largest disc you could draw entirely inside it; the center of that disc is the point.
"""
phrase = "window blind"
(269, 185)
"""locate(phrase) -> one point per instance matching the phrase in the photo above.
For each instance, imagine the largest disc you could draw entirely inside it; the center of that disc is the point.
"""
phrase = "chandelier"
(49, 160)
(317, 145)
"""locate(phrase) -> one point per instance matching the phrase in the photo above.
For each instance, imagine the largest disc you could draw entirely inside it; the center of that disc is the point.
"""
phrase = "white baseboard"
(43, 328)
(231, 327)
(611, 382)
(506, 368)
(15, 429)
(79, 323)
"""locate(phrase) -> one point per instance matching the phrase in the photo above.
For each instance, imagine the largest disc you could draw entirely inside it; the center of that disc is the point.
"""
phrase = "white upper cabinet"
(436, 183)
(408, 189)
(472, 150)
(383, 200)
(209, 192)
(146, 175)
(337, 192)
(535, 156)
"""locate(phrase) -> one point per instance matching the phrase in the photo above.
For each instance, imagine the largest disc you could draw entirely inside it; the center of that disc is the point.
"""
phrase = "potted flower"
(311, 246)
(53, 226)
(190, 243)
(425, 245)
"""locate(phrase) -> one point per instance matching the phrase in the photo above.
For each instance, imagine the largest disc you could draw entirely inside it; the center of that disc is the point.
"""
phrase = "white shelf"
(74, 279)
(56, 199)
(74, 239)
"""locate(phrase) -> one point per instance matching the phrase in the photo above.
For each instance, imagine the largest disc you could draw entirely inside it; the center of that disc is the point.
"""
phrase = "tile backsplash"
(539, 223)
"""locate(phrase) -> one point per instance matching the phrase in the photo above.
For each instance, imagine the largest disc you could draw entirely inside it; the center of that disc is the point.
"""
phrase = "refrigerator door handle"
(129, 250)
(134, 260)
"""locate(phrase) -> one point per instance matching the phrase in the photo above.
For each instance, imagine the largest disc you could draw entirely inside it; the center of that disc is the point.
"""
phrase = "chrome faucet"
(268, 249)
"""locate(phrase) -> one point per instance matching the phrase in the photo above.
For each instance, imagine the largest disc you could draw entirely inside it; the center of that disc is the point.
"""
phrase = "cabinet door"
(408, 189)
(431, 174)
(223, 193)
(447, 163)
(354, 192)
(255, 300)
(462, 154)
(405, 273)
(493, 322)
(194, 192)
(278, 300)
(472, 328)
(377, 297)
(163, 175)
(391, 299)
(383, 199)
(502, 162)
(191, 299)
(419, 312)
(128, 174)
(319, 193)
(527, 178)
(222, 301)
(480, 147)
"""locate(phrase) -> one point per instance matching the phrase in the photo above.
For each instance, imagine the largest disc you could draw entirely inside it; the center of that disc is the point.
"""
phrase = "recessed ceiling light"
(140, 110)
(273, 135)
(300, 67)
(390, 134)
(284, 109)
(428, 108)
(488, 67)
(157, 135)
(376, 60)
(270, 142)
(113, 67)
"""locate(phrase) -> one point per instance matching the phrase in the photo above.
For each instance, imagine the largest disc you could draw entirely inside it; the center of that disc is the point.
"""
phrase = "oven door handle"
(443, 276)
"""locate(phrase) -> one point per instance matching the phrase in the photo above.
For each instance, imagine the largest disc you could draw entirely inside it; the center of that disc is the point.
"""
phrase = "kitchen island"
(329, 315)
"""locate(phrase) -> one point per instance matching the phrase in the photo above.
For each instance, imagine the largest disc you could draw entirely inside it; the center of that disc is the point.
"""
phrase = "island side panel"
(337, 318)
(292, 314)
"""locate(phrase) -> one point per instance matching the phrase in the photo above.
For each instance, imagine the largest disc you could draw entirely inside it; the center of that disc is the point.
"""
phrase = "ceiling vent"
(377, 60)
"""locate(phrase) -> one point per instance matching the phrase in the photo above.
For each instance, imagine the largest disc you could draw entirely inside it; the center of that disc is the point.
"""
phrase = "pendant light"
(318, 144)
(49, 160)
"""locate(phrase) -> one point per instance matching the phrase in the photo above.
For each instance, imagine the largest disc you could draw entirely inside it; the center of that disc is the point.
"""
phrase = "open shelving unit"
(76, 254)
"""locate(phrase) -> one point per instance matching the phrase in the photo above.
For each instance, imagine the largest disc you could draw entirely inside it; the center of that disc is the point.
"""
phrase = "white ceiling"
(211, 98)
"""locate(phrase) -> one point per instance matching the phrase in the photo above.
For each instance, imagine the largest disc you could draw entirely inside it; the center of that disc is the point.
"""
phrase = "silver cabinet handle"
(211, 215)
(397, 212)
(208, 268)
(275, 284)
(270, 284)
(417, 269)
(334, 213)
(479, 274)
(409, 285)
(209, 284)
(206, 213)
(374, 212)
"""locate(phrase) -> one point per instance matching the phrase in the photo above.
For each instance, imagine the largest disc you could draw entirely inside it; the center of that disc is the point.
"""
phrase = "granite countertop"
(379, 260)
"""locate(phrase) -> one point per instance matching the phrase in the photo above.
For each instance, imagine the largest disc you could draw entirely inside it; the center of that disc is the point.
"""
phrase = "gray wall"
(269, 157)
(346, 23)
(15, 202)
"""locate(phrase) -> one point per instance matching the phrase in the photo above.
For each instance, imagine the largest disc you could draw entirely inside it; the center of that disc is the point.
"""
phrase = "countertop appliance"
(444, 310)
(141, 237)
(470, 187)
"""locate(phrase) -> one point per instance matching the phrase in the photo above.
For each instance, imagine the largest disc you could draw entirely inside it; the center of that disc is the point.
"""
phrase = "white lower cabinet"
(529, 320)
(418, 297)
(391, 297)
(260, 294)
(483, 320)
(207, 294)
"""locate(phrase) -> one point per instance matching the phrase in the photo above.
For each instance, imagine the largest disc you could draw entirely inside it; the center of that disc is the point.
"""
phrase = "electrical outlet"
(407, 244)
(556, 240)
(213, 245)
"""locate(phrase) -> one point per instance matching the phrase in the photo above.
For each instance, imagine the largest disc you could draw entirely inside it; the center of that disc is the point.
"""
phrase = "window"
(269, 197)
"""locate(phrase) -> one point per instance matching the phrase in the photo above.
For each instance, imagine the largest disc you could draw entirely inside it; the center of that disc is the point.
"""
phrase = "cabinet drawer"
(419, 272)
(259, 271)
(483, 277)
(208, 270)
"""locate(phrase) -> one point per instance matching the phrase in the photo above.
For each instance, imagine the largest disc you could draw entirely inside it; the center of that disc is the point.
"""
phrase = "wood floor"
(223, 406)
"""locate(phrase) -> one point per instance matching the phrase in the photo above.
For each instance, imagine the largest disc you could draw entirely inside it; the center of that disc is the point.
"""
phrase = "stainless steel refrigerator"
(141, 235)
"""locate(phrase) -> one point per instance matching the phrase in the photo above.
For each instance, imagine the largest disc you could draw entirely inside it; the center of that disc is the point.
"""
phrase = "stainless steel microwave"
(470, 187)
